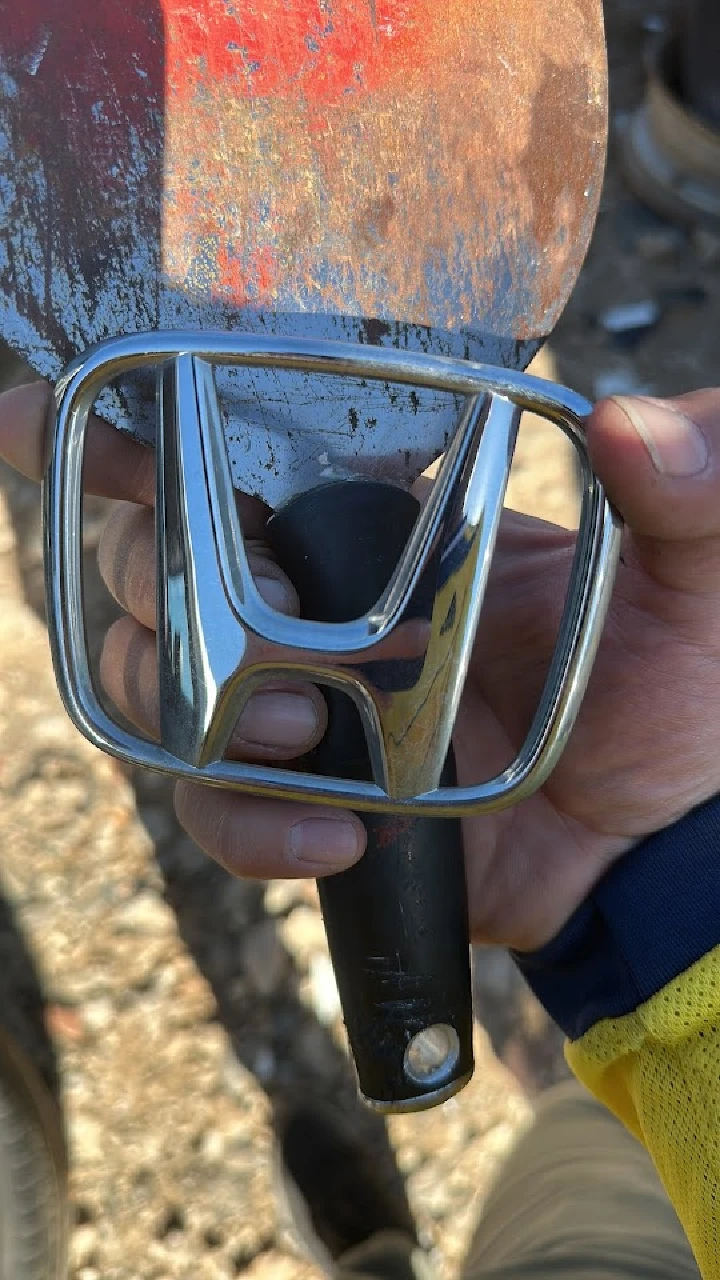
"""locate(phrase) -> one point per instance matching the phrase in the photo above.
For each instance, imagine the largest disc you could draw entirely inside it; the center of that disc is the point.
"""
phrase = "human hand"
(644, 749)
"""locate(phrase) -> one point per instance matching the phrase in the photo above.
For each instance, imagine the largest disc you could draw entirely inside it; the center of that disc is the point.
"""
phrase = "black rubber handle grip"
(396, 922)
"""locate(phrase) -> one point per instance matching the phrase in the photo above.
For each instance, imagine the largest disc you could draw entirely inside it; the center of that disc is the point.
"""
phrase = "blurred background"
(176, 1013)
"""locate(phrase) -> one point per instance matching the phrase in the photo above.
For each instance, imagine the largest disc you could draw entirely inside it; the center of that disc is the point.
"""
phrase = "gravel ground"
(186, 1009)
(176, 1012)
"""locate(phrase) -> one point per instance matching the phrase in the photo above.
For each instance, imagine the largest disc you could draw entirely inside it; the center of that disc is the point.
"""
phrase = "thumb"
(659, 461)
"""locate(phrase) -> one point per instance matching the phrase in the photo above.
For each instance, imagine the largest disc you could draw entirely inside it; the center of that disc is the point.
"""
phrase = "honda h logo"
(218, 640)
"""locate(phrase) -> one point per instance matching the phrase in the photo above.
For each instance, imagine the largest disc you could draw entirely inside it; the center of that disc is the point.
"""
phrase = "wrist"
(651, 916)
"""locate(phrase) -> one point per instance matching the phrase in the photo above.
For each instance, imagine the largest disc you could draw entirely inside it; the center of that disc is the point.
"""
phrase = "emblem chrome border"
(210, 614)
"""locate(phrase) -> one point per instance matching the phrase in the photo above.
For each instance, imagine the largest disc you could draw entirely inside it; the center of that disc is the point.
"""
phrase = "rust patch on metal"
(395, 829)
(446, 174)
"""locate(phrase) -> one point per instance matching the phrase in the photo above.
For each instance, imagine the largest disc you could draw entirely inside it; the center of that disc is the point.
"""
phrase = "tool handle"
(396, 922)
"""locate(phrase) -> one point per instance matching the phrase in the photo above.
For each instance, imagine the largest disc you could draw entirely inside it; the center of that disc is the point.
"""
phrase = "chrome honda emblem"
(217, 639)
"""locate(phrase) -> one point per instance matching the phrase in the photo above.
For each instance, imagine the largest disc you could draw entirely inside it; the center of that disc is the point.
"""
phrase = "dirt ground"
(177, 1012)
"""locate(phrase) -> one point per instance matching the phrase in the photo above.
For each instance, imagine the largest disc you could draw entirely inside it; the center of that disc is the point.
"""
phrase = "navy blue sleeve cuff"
(654, 914)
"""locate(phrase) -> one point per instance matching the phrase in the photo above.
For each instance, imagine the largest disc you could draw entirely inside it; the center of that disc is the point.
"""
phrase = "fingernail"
(275, 719)
(675, 443)
(274, 593)
(324, 840)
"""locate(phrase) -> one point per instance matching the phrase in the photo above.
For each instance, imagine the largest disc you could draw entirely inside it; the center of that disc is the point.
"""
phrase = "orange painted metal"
(397, 161)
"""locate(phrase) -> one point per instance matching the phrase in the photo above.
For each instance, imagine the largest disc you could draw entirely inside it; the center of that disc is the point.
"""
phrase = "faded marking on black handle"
(396, 922)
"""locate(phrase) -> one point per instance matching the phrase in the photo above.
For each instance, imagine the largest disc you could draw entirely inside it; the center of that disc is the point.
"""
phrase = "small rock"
(324, 996)
(429, 1191)
(239, 1132)
(212, 1147)
(216, 1269)
(263, 958)
(408, 1159)
(84, 986)
(166, 979)
(64, 1024)
(145, 914)
(86, 1139)
(618, 382)
(83, 1244)
(632, 315)
(8, 540)
(98, 1014)
(238, 1081)
(274, 1266)
(50, 731)
(282, 895)
(500, 1140)
(171, 1224)
(628, 323)
(303, 933)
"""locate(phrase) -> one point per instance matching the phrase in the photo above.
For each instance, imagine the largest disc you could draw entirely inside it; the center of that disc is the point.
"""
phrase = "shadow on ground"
(272, 1030)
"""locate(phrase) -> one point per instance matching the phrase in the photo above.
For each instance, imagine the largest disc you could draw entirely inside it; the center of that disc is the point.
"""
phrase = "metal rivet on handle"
(432, 1055)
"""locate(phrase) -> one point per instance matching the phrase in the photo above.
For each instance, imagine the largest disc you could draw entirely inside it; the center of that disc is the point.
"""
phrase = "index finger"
(115, 465)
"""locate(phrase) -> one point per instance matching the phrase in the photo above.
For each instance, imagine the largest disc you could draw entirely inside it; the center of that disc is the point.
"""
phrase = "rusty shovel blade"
(384, 171)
